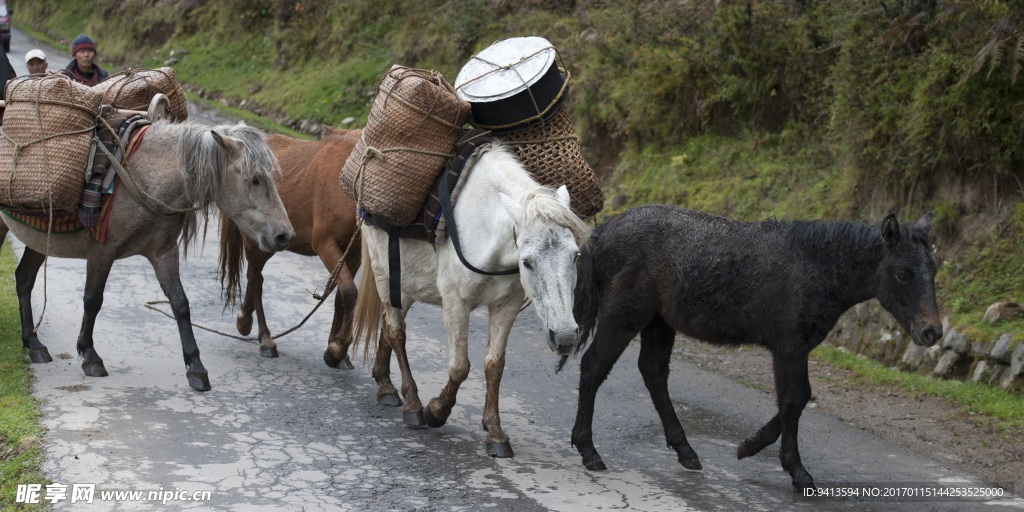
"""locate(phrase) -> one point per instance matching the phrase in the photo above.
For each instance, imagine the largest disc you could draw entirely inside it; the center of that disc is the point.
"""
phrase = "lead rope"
(331, 284)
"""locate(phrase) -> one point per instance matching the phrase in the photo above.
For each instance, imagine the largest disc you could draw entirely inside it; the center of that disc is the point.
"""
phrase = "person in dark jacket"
(83, 70)
(6, 73)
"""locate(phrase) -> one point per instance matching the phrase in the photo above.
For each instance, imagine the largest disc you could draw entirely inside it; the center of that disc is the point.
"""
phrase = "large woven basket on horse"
(48, 128)
(414, 122)
(516, 90)
(134, 88)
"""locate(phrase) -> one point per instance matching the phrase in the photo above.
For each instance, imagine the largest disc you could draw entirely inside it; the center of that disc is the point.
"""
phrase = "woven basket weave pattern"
(414, 113)
(552, 154)
(134, 88)
(46, 175)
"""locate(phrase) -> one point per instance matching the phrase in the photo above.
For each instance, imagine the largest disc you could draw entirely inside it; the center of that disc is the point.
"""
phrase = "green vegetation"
(20, 432)
(1005, 407)
(841, 109)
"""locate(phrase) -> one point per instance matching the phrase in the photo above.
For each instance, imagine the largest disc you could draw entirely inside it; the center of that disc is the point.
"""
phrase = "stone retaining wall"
(869, 330)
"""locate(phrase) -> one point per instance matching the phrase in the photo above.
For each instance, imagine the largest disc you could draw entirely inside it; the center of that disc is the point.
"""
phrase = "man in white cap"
(35, 61)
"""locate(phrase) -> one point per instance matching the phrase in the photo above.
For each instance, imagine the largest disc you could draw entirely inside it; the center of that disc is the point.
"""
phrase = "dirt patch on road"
(931, 426)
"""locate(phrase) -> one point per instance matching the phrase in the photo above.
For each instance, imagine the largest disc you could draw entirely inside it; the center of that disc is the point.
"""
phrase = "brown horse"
(324, 218)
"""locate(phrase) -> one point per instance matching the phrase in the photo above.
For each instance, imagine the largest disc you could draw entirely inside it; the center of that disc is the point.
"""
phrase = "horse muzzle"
(279, 241)
(563, 342)
(928, 336)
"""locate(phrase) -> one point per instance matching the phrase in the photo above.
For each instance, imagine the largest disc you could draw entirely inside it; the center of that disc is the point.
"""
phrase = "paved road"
(291, 434)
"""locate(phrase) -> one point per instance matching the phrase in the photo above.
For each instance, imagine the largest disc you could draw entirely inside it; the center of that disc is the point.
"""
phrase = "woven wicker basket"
(134, 88)
(414, 122)
(551, 152)
(44, 149)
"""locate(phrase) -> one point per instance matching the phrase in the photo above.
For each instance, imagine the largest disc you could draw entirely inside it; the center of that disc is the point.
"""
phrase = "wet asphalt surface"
(292, 434)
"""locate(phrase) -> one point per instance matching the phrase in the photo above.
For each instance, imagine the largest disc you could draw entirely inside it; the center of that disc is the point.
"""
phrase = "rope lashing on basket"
(372, 152)
(540, 113)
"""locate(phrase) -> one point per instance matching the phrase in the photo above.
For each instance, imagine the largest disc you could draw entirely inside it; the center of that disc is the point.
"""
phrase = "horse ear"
(891, 230)
(925, 222)
(563, 195)
(514, 209)
(227, 143)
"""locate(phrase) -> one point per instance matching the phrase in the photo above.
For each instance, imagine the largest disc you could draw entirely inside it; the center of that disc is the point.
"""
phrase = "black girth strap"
(453, 232)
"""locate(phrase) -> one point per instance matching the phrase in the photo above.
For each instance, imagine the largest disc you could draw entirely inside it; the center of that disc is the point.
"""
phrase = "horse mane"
(203, 160)
(539, 200)
(818, 233)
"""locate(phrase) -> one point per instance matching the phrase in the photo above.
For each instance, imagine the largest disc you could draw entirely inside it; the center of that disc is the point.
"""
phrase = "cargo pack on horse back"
(174, 173)
(324, 218)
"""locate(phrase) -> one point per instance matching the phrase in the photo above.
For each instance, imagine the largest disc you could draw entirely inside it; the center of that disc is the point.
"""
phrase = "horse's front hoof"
(500, 450)
(340, 364)
(389, 400)
(414, 419)
(743, 451)
(595, 464)
(198, 380)
(268, 351)
(435, 422)
(243, 324)
(802, 480)
(692, 464)
(94, 369)
(39, 355)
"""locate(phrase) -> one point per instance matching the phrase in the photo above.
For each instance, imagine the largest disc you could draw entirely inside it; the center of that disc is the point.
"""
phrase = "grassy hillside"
(798, 109)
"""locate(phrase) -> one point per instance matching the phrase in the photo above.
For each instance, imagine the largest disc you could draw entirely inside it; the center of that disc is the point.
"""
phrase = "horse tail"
(366, 316)
(585, 300)
(231, 251)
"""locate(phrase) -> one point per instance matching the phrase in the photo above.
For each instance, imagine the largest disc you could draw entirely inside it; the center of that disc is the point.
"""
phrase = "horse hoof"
(595, 465)
(268, 351)
(414, 419)
(340, 364)
(94, 369)
(692, 464)
(500, 450)
(742, 451)
(198, 380)
(39, 355)
(389, 400)
(435, 422)
(244, 325)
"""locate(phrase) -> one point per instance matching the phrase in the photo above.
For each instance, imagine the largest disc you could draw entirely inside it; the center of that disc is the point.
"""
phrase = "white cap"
(35, 54)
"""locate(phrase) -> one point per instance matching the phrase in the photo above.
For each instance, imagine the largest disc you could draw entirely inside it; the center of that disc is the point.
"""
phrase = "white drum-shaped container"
(513, 83)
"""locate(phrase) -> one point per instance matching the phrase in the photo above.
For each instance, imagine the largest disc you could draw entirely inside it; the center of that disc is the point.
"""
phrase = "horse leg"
(656, 342)
(256, 260)
(500, 319)
(25, 279)
(393, 333)
(766, 435)
(386, 393)
(336, 355)
(613, 334)
(96, 273)
(793, 388)
(166, 265)
(456, 323)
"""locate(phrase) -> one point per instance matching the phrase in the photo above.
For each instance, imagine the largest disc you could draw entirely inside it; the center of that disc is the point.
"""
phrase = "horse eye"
(255, 181)
(903, 277)
(576, 258)
(526, 264)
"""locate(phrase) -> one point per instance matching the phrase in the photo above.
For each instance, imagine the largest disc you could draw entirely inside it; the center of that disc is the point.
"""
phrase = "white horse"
(188, 168)
(505, 221)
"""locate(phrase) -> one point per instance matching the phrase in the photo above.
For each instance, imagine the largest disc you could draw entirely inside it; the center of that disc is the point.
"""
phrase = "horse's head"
(906, 279)
(248, 194)
(548, 235)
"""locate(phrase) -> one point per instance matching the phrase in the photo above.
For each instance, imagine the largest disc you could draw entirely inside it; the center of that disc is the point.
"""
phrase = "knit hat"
(82, 42)
(35, 54)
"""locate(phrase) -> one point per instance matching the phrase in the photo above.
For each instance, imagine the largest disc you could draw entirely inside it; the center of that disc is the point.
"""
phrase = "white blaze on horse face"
(251, 200)
(547, 267)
